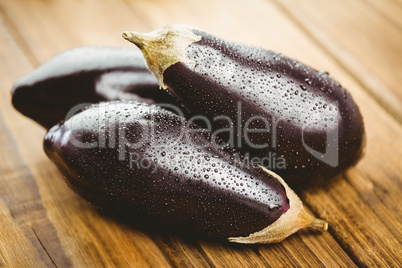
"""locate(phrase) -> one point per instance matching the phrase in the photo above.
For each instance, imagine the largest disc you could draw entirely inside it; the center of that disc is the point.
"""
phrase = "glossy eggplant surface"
(83, 75)
(276, 111)
(147, 161)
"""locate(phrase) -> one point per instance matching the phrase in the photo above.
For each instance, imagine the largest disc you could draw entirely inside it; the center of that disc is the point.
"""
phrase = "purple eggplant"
(143, 160)
(276, 111)
(85, 75)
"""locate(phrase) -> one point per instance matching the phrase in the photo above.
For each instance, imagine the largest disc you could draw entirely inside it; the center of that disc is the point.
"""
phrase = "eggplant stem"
(296, 218)
(164, 47)
(135, 38)
(319, 225)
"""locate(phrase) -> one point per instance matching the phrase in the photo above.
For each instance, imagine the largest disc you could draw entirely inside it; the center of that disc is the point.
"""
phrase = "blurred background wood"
(43, 223)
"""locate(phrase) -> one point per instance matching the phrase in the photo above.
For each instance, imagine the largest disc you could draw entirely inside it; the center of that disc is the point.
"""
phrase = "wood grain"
(43, 223)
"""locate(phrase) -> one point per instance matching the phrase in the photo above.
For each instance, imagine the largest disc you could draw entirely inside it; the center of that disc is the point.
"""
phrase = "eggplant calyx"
(296, 218)
(164, 47)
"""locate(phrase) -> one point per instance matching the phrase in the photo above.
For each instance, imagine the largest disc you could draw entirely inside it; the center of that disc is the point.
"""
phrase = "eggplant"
(85, 75)
(143, 160)
(276, 111)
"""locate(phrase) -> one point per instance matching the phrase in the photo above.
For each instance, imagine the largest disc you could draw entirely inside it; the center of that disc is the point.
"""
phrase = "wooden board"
(43, 223)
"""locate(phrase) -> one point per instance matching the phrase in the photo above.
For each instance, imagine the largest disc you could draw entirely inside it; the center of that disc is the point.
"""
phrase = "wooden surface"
(43, 223)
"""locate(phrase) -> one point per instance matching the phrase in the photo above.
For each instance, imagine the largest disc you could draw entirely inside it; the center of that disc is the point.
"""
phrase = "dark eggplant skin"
(147, 161)
(304, 117)
(85, 75)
